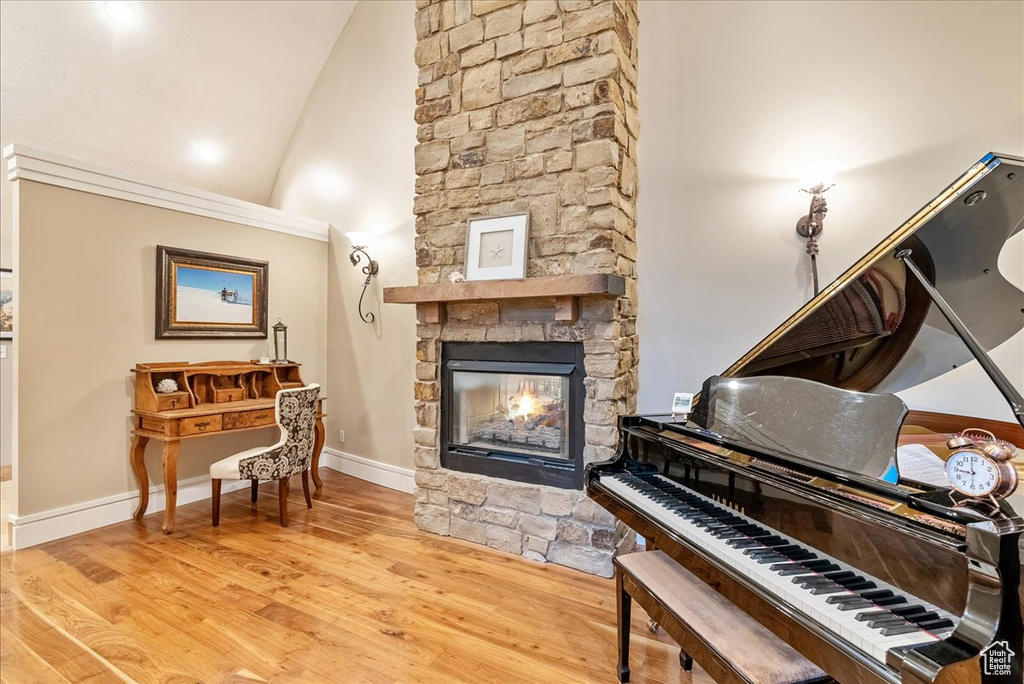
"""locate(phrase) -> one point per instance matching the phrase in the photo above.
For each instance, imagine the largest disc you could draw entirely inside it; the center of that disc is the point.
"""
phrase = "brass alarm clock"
(979, 467)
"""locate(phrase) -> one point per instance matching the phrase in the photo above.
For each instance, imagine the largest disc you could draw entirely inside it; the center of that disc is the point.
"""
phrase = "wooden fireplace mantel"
(564, 289)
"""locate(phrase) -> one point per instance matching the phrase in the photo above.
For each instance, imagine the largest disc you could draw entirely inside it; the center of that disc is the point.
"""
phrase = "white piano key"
(816, 607)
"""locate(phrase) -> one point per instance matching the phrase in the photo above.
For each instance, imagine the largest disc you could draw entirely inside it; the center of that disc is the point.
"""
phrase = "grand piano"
(796, 487)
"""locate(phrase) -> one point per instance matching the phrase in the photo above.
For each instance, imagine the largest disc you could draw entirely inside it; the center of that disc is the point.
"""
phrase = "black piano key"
(839, 576)
(891, 621)
(854, 605)
(892, 601)
(776, 558)
(743, 543)
(826, 589)
(905, 629)
(870, 615)
(787, 569)
(936, 625)
(919, 618)
(820, 565)
(728, 533)
(835, 600)
(759, 552)
(876, 594)
(813, 580)
(786, 548)
(904, 611)
(859, 586)
(801, 555)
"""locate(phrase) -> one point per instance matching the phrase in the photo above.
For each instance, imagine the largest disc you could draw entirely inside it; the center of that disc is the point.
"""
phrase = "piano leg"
(623, 605)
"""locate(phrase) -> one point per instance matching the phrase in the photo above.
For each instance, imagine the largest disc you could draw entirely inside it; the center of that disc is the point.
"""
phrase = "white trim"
(37, 528)
(383, 474)
(45, 167)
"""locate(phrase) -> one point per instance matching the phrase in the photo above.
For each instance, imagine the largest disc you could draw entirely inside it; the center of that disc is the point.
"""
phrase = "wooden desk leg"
(170, 457)
(138, 461)
(318, 446)
(623, 605)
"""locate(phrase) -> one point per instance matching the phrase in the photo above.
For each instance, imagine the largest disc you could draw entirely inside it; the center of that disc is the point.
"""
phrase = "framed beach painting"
(6, 304)
(202, 295)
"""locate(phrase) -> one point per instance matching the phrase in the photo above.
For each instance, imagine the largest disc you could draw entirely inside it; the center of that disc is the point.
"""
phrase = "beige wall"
(735, 96)
(726, 120)
(350, 162)
(87, 267)
(6, 365)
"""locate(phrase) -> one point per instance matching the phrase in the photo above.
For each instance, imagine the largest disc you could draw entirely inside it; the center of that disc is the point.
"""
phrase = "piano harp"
(782, 490)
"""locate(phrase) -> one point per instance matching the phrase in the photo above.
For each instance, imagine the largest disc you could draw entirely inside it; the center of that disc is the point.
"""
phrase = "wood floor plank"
(65, 655)
(19, 664)
(351, 591)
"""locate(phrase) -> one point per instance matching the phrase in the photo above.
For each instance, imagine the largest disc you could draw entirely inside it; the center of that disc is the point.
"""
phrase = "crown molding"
(26, 163)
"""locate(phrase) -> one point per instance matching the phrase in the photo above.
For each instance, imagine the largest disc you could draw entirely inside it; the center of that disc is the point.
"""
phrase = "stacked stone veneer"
(528, 106)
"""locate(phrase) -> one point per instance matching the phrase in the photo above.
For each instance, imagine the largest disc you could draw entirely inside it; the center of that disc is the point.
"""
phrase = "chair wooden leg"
(255, 490)
(282, 498)
(305, 488)
(216, 501)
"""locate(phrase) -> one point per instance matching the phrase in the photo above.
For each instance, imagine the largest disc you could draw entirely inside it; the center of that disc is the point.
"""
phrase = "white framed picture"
(496, 247)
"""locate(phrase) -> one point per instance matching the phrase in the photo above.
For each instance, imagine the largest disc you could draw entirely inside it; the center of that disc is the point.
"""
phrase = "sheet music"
(919, 463)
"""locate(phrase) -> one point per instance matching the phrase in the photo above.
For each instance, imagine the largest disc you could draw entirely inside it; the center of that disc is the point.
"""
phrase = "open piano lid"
(875, 330)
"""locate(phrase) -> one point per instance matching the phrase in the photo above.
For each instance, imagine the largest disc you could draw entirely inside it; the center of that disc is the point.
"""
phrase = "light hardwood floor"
(352, 592)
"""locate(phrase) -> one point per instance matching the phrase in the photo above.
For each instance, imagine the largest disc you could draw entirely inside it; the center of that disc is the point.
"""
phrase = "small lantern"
(280, 342)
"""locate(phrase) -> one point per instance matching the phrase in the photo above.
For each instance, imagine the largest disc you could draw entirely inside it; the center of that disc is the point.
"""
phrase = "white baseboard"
(383, 474)
(37, 528)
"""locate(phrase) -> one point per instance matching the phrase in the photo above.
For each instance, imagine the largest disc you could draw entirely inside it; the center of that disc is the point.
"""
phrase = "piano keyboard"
(869, 614)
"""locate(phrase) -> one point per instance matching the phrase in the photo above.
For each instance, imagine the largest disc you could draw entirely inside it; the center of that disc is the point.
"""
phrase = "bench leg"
(685, 661)
(623, 605)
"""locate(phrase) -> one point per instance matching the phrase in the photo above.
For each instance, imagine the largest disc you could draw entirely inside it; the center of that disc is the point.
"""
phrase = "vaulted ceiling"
(175, 83)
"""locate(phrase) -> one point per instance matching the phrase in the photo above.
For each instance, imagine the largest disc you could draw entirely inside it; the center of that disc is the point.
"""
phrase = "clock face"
(971, 473)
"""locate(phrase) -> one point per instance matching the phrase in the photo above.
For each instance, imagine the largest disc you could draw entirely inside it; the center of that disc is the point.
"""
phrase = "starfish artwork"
(496, 252)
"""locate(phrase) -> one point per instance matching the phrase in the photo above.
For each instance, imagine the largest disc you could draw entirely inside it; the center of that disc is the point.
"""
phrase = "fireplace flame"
(523, 406)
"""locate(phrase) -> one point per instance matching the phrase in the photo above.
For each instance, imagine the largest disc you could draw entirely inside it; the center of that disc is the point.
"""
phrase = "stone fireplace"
(525, 106)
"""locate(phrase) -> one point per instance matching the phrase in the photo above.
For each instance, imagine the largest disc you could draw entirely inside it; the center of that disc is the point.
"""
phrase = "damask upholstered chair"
(295, 411)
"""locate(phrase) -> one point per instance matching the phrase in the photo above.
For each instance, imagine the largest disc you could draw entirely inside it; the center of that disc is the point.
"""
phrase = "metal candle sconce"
(817, 182)
(359, 243)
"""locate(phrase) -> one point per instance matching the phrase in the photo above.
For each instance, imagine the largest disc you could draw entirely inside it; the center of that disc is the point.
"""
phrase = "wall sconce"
(359, 243)
(815, 180)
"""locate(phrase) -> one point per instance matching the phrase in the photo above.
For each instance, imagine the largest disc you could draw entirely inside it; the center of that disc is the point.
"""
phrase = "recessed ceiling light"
(207, 151)
(120, 12)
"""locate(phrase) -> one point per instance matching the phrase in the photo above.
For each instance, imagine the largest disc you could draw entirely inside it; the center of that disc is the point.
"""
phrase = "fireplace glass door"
(514, 410)
(521, 413)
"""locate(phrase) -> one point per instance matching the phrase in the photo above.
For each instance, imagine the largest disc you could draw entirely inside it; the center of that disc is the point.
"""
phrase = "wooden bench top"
(749, 649)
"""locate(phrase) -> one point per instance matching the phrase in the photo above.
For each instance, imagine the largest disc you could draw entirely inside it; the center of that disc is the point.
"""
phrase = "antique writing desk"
(212, 398)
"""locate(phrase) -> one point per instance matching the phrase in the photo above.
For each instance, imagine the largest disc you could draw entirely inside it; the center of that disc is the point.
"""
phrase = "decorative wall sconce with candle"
(815, 180)
(360, 242)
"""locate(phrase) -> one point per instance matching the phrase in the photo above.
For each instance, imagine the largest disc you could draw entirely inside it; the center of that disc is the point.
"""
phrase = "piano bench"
(727, 643)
